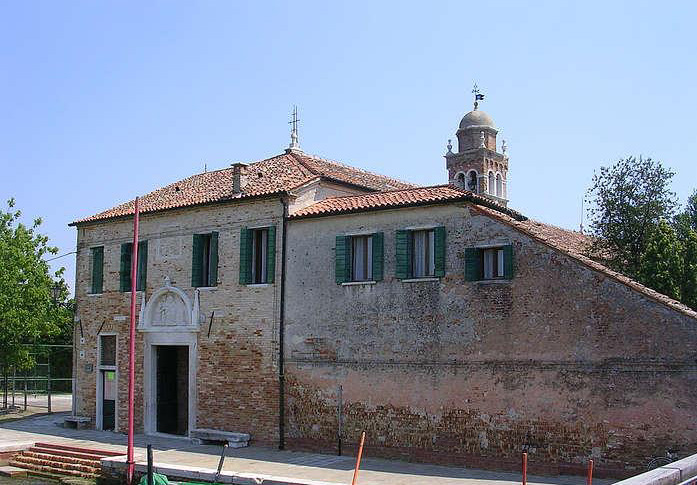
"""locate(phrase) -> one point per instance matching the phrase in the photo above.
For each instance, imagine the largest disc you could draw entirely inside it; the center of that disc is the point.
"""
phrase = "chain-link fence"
(48, 385)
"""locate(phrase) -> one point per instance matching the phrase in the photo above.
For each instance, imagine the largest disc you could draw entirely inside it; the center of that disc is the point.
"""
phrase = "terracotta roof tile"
(271, 176)
(396, 198)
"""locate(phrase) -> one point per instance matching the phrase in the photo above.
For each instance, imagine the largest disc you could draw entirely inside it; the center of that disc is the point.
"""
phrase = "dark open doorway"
(172, 389)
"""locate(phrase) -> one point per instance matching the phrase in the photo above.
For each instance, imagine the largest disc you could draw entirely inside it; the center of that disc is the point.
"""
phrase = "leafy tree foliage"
(627, 201)
(661, 262)
(636, 233)
(28, 312)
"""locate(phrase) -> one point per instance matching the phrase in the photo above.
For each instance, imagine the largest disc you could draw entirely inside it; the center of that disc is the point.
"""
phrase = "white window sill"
(493, 282)
(206, 288)
(420, 280)
(358, 283)
(259, 285)
(94, 294)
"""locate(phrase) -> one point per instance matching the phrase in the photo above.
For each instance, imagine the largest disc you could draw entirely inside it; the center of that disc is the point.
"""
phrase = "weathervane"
(477, 96)
(294, 129)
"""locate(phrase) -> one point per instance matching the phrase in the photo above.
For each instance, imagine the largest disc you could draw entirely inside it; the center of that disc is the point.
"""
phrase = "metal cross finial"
(294, 129)
(477, 96)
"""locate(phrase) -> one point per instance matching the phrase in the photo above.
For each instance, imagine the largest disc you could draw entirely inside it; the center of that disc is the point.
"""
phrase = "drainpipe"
(281, 335)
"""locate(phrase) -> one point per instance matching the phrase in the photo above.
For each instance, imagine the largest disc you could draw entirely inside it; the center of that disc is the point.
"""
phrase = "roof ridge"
(351, 167)
(380, 192)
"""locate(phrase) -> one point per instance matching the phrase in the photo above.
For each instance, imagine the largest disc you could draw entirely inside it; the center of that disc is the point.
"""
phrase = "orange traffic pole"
(525, 468)
(358, 459)
(590, 472)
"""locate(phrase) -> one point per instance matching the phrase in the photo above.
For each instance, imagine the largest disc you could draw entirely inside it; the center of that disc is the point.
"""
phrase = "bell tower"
(478, 166)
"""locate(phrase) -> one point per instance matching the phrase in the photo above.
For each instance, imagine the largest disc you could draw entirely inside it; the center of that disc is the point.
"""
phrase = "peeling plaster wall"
(561, 360)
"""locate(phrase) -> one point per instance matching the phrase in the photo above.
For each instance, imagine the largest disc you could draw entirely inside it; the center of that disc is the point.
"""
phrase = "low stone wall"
(670, 474)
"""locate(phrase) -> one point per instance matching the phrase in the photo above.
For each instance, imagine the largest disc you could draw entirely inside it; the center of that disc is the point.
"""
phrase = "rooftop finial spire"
(477, 96)
(294, 145)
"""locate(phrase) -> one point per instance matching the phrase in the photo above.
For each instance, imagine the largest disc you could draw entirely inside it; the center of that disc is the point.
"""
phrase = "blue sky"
(106, 100)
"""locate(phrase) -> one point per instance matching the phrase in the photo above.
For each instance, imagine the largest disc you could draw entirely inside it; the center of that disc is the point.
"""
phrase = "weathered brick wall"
(562, 360)
(237, 381)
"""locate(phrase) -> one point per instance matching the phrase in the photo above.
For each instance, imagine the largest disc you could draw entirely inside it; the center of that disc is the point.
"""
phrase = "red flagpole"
(132, 346)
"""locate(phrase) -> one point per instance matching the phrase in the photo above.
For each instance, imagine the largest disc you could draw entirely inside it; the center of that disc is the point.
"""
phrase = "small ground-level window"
(107, 350)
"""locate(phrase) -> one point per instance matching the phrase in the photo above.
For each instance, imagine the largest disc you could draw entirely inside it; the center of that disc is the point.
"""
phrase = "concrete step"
(32, 463)
(51, 471)
(61, 458)
(12, 471)
(90, 451)
(73, 454)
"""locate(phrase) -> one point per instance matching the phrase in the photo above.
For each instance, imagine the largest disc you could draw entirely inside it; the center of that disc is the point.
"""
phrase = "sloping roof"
(270, 176)
(397, 198)
(576, 245)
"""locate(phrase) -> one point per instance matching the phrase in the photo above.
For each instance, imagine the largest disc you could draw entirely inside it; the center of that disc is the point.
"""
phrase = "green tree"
(686, 228)
(661, 263)
(627, 201)
(28, 311)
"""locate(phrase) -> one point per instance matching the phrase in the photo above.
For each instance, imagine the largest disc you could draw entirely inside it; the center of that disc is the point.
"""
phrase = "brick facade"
(562, 360)
(237, 373)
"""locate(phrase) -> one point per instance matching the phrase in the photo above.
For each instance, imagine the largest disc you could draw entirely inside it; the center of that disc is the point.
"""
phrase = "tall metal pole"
(132, 346)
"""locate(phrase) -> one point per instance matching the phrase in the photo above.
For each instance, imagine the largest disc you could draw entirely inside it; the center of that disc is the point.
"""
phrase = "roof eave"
(270, 195)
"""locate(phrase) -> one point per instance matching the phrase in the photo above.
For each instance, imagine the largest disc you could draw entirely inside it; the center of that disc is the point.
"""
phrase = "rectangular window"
(204, 261)
(361, 258)
(257, 255)
(142, 267)
(423, 261)
(97, 262)
(420, 253)
(489, 263)
(107, 350)
(260, 241)
(493, 263)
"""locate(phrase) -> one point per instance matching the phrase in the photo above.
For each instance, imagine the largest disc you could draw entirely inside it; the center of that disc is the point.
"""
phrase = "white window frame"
(497, 262)
(428, 255)
(260, 279)
(99, 424)
(368, 255)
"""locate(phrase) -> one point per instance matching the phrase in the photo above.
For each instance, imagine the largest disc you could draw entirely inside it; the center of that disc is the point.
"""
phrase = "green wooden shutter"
(508, 262)
(439, 243)
(473, 264)
(197, 261)
(213, 261)
(97, 269)
(245, 256)
(340, 250)
(271, 254)
(125, 270)
(403, 254)
(142, 265)
(378, 256)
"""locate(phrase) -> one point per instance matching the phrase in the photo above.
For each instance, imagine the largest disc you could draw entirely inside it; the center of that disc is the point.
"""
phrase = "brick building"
(302, 301)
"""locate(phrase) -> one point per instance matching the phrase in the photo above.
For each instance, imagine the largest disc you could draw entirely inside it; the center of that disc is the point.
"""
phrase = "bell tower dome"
(478, 166)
